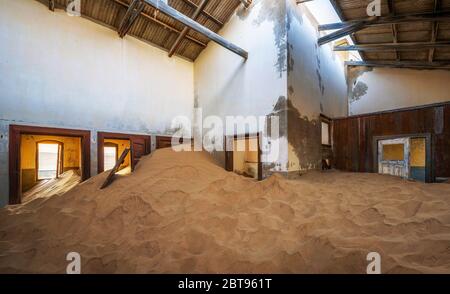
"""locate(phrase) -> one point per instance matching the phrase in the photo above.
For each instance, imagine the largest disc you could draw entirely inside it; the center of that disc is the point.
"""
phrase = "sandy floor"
(48, 188)
(180, 213)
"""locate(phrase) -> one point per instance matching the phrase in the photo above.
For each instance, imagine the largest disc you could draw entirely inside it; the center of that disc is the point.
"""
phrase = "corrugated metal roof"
(406, 32)
(157, 28)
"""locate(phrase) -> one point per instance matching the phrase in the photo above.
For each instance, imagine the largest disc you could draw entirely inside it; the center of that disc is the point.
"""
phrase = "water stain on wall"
(291, 90)
(291, 62)
(319, 76)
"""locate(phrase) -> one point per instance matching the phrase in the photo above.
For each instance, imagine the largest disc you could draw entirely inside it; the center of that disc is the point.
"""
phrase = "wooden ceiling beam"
(388, 20)
(341, 16)
(341, 33)
(402, 64)
(205, 13)
(391, 9)
(154, 19)
(178, 16)
(434, 30)
(51, 5)
(411, 46)
(133, 11)
(185, 30)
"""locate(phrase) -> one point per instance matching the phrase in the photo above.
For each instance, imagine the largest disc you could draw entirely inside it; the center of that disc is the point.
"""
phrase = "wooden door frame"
(101, 136)
(161, 140)
(229, 165)
(429, 173)
(15, 135)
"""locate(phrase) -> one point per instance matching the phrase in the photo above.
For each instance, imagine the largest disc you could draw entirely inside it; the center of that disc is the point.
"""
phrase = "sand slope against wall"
(181, 213)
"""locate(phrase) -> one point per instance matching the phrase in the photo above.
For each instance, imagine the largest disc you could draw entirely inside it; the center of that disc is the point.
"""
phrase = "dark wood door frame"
(15, 134)
(102, 136)
(229, 166)
(429, 174)
(166, 141)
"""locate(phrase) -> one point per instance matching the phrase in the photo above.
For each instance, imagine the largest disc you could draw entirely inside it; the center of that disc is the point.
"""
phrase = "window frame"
(328, 121)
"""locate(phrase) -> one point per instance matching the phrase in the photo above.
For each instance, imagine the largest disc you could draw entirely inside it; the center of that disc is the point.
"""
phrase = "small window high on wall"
(326, 140)
(48, 154)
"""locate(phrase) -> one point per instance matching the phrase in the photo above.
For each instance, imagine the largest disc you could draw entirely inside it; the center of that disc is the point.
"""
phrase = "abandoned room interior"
(350, 154)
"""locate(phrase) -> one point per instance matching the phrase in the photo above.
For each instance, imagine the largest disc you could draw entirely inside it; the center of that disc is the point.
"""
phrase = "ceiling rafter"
(133, 11)
(434, 30)
(178, 16)
(410, 46)
(185, 30)
(391, 10)
(401, 64)
(443, 15)
(205, 13)
(162, 23)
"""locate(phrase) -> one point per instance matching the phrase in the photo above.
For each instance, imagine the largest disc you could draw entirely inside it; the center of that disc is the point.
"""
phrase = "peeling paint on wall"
(373, 89)
(304, 135)
(316, 85)
(358, 91)
(290, 62)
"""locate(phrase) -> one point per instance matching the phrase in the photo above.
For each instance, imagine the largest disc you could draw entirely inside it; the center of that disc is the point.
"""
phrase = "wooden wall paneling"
(352, 136)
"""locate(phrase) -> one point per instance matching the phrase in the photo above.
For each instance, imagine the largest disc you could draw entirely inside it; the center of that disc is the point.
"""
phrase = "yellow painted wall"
(72, 156)
(246, 161)
(122, 145)
(393, 152)
(72, 150)
(417, 150)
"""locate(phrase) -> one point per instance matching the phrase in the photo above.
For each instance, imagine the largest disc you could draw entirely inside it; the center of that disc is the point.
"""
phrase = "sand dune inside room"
(181, 213)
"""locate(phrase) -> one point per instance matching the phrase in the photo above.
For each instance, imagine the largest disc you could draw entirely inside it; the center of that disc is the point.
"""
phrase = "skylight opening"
(324, 13)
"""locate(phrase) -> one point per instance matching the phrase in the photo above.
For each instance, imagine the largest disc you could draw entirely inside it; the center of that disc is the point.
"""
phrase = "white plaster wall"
(62, 71)
(316, 76)
(226, 84)
(393, 88)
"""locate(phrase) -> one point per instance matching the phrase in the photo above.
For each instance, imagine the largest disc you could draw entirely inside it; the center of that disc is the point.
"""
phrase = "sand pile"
(181, 213)
(48, 188)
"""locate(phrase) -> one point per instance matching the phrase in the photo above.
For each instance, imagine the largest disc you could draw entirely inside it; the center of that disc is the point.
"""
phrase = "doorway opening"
(245, 158)
(46, 161)
(112, 145)
(49, 163)
(111, 156)
(327, 152)
(408, 157)
(112, 149)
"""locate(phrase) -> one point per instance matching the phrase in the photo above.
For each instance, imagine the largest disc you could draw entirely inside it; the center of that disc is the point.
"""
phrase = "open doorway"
(112, 150)
(49, 163)
(111, 146)
(46, 161)
(111, 155)
(327, 153)
(408, 157)
(245, 158)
